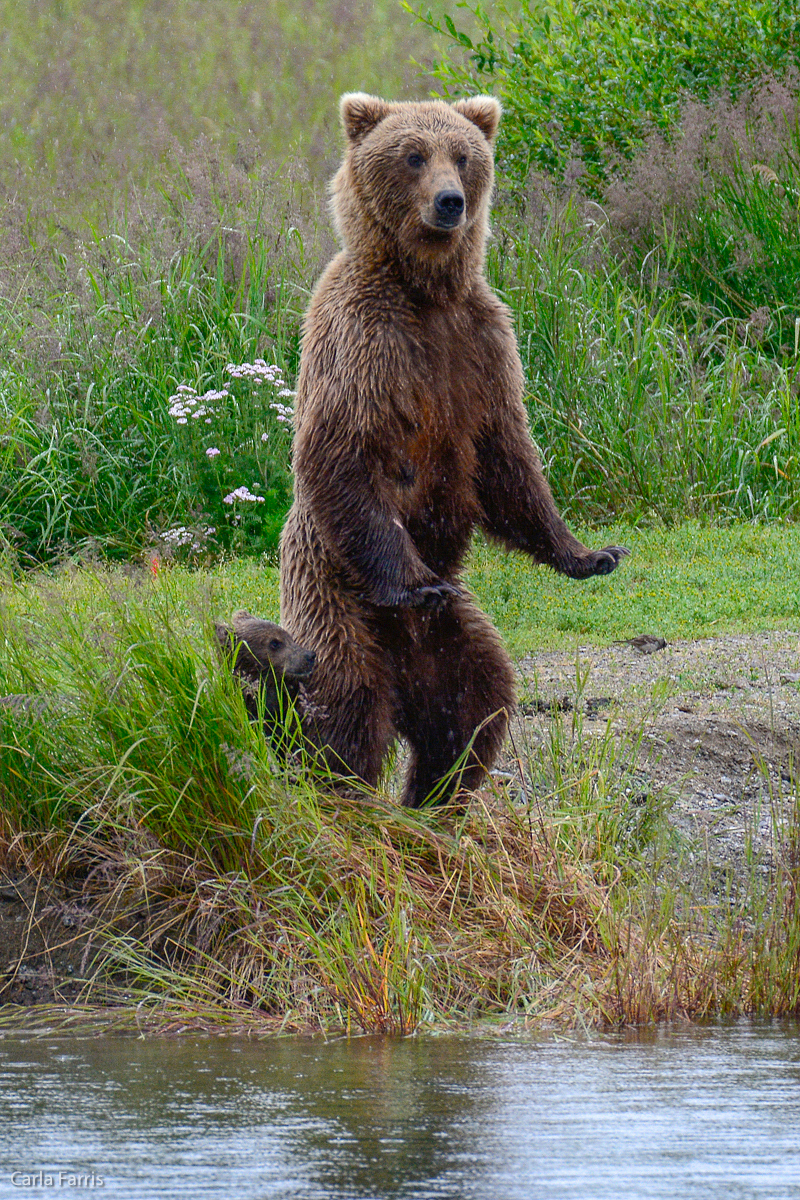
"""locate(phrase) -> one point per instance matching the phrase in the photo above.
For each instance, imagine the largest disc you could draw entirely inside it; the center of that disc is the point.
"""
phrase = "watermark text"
(57, 1179)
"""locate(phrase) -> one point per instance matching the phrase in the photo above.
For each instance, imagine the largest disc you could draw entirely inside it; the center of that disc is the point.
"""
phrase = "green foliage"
(710, 216)
(223, 885)
(587, 79)
(91, 456)
(661, 357)
(639, 408)
(265, 888)
(740, 252)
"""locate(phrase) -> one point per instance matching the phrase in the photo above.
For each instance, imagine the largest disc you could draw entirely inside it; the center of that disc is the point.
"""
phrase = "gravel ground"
(721, 719)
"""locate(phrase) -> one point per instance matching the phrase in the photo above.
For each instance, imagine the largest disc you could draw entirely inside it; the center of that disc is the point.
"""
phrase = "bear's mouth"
(441, 230)
(305, 670)
(448, 224)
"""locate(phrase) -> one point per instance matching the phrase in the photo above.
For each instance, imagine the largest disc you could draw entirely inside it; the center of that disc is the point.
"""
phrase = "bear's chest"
(433, 463)
(444, 407)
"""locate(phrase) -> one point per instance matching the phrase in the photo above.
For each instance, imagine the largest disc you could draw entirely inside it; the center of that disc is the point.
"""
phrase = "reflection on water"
(700, 1114)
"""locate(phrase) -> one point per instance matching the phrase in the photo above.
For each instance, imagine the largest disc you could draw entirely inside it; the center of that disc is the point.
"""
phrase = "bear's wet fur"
(269, 664)
(411, 431)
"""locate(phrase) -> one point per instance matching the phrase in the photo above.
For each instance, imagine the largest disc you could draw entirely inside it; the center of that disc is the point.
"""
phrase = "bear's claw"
(604, 561)
(433, 596)
(594, 562)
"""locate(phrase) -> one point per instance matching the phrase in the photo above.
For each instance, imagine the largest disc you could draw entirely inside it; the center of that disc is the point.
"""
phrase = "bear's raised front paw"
(603, 562)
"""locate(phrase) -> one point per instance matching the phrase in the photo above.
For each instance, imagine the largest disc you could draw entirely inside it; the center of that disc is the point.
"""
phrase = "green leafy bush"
(587, 79)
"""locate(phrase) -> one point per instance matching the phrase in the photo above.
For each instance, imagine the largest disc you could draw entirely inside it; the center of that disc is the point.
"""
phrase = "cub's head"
(263, 654)
(416, 176)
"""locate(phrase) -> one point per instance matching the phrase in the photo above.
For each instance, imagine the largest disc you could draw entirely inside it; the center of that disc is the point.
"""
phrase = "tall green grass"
(224, 885)
(162, 216)
(93, 457)
(642, 406)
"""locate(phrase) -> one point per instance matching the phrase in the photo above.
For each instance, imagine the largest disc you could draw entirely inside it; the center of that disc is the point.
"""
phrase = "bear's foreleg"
(517, 504)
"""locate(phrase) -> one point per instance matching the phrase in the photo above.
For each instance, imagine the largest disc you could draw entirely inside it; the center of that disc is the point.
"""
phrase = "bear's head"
(415, 184)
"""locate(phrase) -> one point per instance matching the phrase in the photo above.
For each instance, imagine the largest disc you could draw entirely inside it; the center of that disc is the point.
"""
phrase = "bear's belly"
(434, 475)
(440, 520)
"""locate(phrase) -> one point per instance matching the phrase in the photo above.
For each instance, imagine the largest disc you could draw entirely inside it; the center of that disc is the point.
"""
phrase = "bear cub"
(270, 665)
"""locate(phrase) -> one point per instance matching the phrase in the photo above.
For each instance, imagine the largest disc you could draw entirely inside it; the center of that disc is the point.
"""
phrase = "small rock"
(644, 643)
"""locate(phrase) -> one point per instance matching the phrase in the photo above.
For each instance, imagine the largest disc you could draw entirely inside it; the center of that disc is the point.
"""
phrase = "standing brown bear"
(410, 431)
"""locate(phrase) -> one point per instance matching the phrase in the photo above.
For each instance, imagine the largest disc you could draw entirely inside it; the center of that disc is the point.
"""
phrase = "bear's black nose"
(449, 206)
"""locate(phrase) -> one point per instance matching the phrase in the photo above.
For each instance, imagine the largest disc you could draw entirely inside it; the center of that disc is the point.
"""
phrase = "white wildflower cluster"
(285, 413)
(241, 493)
(259, 371)
(263, 372)
(185, 404)
(181, 535)
(213, 451)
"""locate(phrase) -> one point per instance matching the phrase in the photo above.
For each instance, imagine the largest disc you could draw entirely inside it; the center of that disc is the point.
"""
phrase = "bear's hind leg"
(456, 687)
(348, 709)
(352, 730)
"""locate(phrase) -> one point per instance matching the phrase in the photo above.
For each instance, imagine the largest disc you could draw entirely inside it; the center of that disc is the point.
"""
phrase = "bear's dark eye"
(461, 161)
(275, 644)
(415, 160)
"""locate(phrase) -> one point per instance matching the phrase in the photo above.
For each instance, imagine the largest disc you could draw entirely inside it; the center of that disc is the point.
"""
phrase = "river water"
(686, 1115)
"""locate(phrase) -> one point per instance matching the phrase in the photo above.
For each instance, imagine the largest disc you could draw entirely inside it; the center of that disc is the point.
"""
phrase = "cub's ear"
(360, 113)
(483, 111)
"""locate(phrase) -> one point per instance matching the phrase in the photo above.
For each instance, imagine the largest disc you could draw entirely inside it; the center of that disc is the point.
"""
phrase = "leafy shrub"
(586, 80)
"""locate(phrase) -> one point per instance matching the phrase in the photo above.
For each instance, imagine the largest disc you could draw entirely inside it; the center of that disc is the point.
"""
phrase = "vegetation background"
(163, 174)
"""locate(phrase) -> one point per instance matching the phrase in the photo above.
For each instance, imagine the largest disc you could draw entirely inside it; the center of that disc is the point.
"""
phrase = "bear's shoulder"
(352, 310)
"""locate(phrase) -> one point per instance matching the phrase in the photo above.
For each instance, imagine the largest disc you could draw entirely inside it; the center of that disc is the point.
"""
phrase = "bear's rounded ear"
(483, 111)
(360, 113)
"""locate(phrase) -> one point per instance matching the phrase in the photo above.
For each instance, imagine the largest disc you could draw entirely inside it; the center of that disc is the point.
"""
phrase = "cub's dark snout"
(306, 664)
(449, 205)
